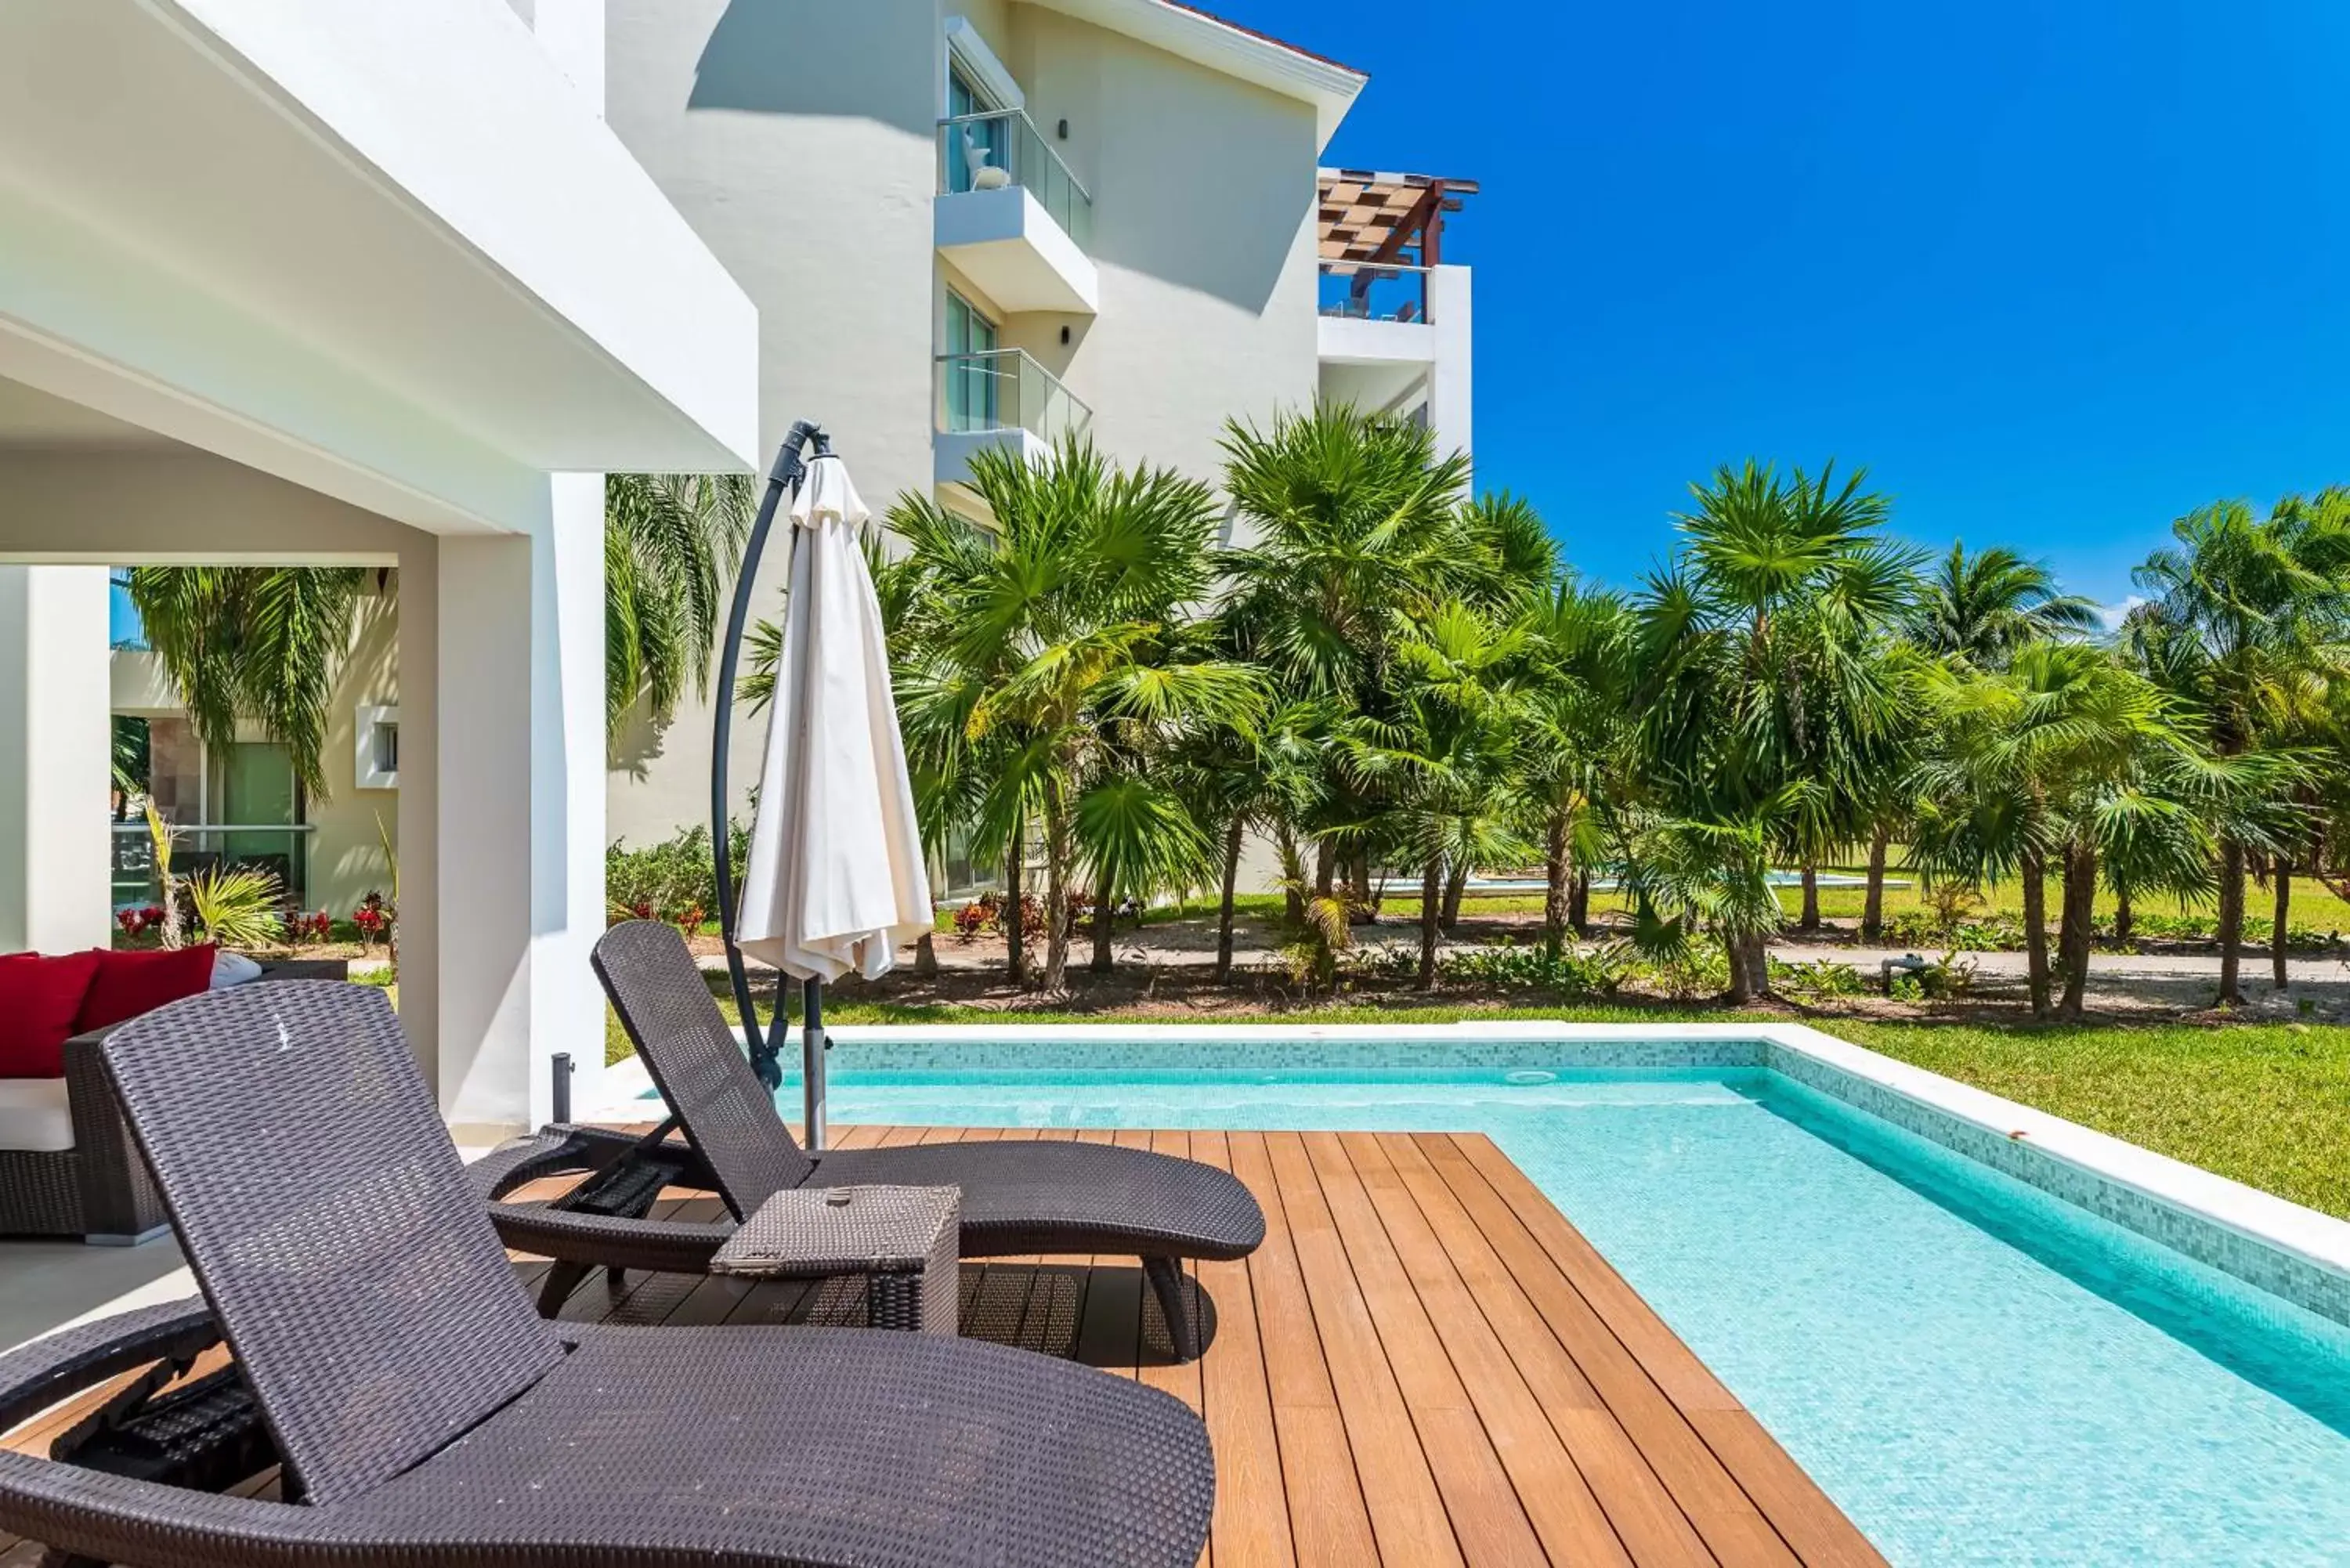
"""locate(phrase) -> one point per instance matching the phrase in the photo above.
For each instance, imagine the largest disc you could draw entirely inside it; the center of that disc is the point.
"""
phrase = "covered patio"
(350, 284)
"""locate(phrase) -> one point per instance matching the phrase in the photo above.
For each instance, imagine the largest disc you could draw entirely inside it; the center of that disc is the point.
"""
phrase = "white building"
(972, 222)
(359, 283)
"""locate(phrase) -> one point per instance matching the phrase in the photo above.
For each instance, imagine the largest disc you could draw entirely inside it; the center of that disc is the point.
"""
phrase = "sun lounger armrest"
(37, 1375)
(607, 1241)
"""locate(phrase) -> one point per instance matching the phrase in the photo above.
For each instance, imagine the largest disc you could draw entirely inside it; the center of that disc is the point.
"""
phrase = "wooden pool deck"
(1425, 1364)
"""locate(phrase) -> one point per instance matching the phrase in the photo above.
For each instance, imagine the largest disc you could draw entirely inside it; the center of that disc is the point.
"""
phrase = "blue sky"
(2055, 270)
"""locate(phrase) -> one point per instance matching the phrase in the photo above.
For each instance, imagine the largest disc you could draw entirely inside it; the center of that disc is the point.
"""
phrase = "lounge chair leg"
(1166, 1277)
(616, 1280)
(562, 1279)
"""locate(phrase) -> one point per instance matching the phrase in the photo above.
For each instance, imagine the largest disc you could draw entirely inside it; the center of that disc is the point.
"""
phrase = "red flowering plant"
(309, 929)
(373, 919)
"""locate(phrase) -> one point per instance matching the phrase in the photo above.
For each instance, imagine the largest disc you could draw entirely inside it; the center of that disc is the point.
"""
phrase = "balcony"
(1376, 314)
(1002, 398)
(1011, 217)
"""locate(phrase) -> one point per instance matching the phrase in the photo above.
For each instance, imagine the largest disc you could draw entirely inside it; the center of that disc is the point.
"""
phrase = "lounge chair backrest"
(698, 1064)
(327, 1218)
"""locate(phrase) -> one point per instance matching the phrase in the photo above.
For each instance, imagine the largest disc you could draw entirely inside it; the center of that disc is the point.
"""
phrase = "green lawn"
(2267, 1104)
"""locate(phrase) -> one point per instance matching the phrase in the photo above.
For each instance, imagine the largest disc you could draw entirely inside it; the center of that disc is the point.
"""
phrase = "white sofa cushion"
(35, 1118)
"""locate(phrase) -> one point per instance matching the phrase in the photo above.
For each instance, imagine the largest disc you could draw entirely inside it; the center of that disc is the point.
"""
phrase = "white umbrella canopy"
(834, 878)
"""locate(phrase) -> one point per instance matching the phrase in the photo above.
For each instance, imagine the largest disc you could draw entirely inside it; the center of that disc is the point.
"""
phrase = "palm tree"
(1578, 732)
(1768, 698)
(255, 644)
(2067, 759)
(1983, 607)
(2247, 620)
(671, 544)
(1358, 526)
(1060, 641)
(1445, 755)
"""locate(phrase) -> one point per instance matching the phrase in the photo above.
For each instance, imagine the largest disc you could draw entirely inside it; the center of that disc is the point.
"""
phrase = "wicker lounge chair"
(425, 1414)
(1019, 1196)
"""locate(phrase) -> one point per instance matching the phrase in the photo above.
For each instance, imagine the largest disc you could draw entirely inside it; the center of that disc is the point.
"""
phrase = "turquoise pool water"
(1977, 1372)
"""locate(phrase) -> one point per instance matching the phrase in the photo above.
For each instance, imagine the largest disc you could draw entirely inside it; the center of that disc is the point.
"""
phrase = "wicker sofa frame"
(100, 1190)
(423, 1413)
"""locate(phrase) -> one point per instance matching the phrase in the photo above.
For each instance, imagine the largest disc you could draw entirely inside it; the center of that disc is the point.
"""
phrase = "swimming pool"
(1977, 1370)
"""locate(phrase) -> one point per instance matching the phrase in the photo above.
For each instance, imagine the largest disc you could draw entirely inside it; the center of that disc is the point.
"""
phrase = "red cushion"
(129, 983)
(39, 1000)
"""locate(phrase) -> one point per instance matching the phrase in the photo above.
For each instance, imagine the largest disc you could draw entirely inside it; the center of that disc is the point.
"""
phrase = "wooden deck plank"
(1251, 1523)
(1567, 1355)
(1806, 1520)
(1329, 1524)
(1424, 1364)
(1407, 1509)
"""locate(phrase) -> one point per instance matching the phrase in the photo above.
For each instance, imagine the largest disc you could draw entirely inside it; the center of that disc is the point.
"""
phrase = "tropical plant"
(1983, 607)
(2068, 762)
(2248, 620)
(1578, 735)
(164, 836)
(1058, 654)
(258, 644)
(237, 906)
(672, 543)
(1771, 698)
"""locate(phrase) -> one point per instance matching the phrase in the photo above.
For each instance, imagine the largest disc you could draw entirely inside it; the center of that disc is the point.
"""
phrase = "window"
(971, 377)
(974, 143)
(377, 764)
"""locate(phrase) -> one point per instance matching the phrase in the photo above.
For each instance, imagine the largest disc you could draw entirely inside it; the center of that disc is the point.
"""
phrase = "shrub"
(237, 906)
(675, 881)
(1600, 972)
(1823, 978)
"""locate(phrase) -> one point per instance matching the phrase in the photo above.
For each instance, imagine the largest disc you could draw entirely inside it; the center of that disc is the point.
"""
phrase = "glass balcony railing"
(1005, 390)
(1367, 291)
(990, 151)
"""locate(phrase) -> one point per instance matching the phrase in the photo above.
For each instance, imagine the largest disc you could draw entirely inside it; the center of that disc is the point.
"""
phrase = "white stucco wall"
(53, 759)
(799, 139)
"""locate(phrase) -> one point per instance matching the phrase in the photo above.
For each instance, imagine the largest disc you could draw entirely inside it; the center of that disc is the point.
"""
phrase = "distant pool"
(1977, 1371)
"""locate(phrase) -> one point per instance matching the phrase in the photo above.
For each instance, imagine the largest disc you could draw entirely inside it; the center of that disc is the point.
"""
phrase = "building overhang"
(1010, 247)
(1208, 40)
(387, 252)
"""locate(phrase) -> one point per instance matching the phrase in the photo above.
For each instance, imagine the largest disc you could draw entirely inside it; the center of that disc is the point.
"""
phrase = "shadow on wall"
(640, 741)
(865, 60)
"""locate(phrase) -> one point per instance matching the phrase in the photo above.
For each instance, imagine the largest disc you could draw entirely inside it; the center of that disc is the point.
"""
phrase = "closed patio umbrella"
(835, 876)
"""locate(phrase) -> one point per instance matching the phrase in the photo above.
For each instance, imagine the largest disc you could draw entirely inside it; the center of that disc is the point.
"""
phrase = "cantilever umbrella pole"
(784, 481)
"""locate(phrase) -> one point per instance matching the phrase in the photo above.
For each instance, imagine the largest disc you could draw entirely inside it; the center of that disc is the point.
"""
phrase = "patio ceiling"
(385, 252)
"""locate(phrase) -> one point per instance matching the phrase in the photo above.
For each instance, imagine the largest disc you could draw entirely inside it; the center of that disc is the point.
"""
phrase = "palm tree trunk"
(1232, 836)
(2080, 924)
(1810, 921)
(1057, 892)
(1292, 898)
(1872, 909)
(1105, 909)
(926, 955)
(2281, 921)
(1558, 877)
(1015, 939)
(2232, 922)
(1359, 881)
(1456, 887)
(1326, 868)
(2125, 917)
(1578, 904)
(1431, 907)
(1742, 990)
(2035, 930)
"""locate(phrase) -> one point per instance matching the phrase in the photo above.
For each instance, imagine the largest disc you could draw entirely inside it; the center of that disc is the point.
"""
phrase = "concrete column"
(519, 857)
(1450, 312)
(55, 746)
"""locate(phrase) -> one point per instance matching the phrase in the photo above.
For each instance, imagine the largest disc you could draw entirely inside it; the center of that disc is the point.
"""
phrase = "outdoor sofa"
(423, 1413)
(67, 1164)
(1019, 1196)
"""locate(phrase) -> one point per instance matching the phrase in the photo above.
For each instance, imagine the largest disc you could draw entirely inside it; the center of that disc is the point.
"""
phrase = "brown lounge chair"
(424, 1414)
(1019, 1196)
